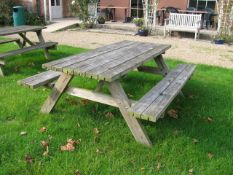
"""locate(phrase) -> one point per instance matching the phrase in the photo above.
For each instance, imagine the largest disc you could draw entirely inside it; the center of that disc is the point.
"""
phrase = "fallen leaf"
(84, 101)
(209, 119)
(28, 159)
(44, 143)
(191, 171)
(195, 141)
(77, 172)
(96, 131)
(210, 155)
(130, 95)
(23, 133)
(78, 125)
(173, 113)
(43, 129)
(142, 169)
(69, 146)
(158, 167)
(109, 115)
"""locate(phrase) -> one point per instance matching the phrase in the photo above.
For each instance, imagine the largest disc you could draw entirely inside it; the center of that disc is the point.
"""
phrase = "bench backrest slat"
(184, 20)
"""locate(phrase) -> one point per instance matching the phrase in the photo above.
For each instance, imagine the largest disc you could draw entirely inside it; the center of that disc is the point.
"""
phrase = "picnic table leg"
(99, 86)
(41, 39)
(56, 93)
(124, 104)
(162, 65)
(25, 39)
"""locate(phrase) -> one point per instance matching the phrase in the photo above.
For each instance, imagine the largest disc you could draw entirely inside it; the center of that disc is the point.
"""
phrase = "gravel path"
(188, 50)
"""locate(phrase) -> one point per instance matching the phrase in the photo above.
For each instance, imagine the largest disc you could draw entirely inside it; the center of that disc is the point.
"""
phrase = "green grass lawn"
(190, 142)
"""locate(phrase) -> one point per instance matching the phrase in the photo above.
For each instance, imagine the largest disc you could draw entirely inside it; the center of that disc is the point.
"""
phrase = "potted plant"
(143, 31)
(219, 39)
(101, 20)
(138, 22)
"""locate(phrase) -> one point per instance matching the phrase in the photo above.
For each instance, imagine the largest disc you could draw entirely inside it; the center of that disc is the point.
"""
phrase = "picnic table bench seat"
(154, 103)
(10, 41)
(46, 45)
(40, 79)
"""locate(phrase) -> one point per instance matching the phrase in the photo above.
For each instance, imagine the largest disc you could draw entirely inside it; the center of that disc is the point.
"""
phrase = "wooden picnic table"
(22, 32)
(108, 65)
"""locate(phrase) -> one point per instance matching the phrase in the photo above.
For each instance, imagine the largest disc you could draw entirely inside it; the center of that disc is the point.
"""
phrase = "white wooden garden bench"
(108, 65)
(183, 23)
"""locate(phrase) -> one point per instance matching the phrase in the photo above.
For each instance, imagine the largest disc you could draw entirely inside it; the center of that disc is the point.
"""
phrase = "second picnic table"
(22, 31)
(108, 65)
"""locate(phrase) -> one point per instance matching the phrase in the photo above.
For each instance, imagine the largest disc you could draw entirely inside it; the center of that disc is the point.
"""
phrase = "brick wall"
(120, 13)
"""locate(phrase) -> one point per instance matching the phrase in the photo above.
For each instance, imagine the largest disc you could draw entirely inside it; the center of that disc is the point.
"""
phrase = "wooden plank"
(40, 79)
(155, 92)
(84, 56)
(92, 96)
(19, 29)
(162, 102)
(122, 69)
(124, 104)
(56, 93)
(99, 86)
(26, 40)
(41, 39)
(161, 64)
(123, 55)
(82, 67)
(27, 49)
(150, 69)
(9, 40)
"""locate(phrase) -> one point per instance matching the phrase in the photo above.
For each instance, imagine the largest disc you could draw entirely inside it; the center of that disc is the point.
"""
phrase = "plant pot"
(143, 32)
(219, 41)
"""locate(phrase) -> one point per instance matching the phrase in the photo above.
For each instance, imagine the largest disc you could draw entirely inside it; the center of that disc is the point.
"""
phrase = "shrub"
(6, 11)
(80, 8)
(34, 19)
(101, 20)
(138, 22)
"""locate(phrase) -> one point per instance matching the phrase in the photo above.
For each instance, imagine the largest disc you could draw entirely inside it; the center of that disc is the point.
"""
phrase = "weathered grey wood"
(68, 61)
(56, 93)
(40, 79)
(1, 71)
(116, 72)
(92, 96)
(150, 69)
(41, 39)
(26, 40)
(124, 104)
(19, 29)
(98, 62)
(99, 86)
(9, 40)
(161, 64)
(119, 57)
(27, 49)
(102, 61)
(155, 102)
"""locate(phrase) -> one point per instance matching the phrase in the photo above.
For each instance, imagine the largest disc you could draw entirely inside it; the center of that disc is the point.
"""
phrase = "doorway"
(56, 9)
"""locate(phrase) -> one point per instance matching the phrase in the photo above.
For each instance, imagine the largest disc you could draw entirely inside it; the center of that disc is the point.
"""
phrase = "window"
(202, 4)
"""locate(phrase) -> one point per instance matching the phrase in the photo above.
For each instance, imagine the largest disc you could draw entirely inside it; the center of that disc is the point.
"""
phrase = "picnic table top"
(109, 62)
(19, 29)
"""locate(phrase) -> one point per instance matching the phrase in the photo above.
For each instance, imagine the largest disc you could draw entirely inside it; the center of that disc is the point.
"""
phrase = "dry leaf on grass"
(109, 115)
(158, 167)
(43, 129)
(28, 159)
(191, 171)
(23, 133)
(210, 119)
(84, 101)
(96, 131)
(70, 145)
(44, 143)
(210, 155)
(195, 141)
(77, 172)
(173, 113)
